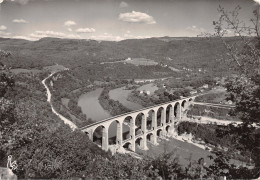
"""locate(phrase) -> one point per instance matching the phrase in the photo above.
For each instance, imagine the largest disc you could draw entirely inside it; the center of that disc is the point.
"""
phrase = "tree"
(244, 56)
(7, 117)
(244, 88)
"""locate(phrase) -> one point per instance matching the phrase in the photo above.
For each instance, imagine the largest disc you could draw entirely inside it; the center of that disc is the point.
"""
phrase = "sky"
(113, 20)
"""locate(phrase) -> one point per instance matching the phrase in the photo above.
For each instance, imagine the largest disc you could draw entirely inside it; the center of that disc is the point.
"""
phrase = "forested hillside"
(81, 55)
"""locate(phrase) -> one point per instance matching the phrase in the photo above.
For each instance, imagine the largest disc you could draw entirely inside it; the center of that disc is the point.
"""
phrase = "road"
(65, 120)
(215, 105)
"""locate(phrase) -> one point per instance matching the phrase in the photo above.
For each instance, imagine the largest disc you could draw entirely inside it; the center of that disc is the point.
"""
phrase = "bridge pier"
(164, 122)
(90, 134)
(144, 130)
(154, 128)
(178, 110)
(154, 139)
(105, 139)
(119, 135)
(171, 115)
(132, 134)
(154, 121)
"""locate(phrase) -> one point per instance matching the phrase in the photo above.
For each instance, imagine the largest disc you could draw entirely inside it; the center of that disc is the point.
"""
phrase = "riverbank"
(112, 106)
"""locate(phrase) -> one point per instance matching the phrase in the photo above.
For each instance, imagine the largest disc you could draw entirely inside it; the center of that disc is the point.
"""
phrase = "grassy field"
(185, 151)
(215, 96)
(121, 95)
(148, 87)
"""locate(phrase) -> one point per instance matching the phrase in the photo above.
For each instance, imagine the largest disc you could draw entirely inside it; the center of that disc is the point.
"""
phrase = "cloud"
(4, 34)
(136, 17)
(257, 1)
(19, 21)
(69, 23)
(85, 30)
(23, 37)
(21, 2)
(129, 36)
(110, 37)
(228, 32)
(123, 4)
(195, 29)
(2, 28)
(106, 37)
(69, 29)
(42, 34)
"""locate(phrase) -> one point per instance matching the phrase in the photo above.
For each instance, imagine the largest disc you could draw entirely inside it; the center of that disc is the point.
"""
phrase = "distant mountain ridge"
(190, 52)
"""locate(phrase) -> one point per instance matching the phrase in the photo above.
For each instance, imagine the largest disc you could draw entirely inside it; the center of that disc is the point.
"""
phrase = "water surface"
(90, 106)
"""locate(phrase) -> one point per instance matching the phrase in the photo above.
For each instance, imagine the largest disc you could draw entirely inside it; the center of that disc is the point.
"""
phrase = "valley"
(85, 91)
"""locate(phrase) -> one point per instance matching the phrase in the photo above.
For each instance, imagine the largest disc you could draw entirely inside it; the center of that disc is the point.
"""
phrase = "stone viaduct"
(137, 127)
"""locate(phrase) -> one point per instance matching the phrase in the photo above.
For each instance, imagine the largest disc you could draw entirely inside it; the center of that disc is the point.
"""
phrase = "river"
(90, 106)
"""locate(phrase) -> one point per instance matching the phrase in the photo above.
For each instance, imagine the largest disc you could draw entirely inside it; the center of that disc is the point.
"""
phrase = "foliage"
(244, 88)
(223, 167)
(213, 112)
(236, 142)
(46, 148)
(112, 106)
(160, 96)
(215, 97)
(166, 166)
(84, 57)
(245, 93)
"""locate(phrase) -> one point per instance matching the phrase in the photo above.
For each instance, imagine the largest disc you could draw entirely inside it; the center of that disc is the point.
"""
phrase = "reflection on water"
(90, 105)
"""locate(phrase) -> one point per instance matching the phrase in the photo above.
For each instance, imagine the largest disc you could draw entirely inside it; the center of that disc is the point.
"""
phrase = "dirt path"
(65, 120)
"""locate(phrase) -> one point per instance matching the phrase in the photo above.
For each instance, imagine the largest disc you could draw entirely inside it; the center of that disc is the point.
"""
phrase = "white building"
(194, 92)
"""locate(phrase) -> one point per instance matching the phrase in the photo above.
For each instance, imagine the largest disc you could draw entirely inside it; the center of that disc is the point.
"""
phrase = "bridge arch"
(167, 128)
(183, 104)
(126, 127)
(150, 137)
(190, 101)
(151, 120)
(169, 113)
(139, 142)
(139, 123)
(115, 132)
(128, 146)
(160, 117)
(177, 110)
(100, 136)
(89, 135)
(159, 132)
